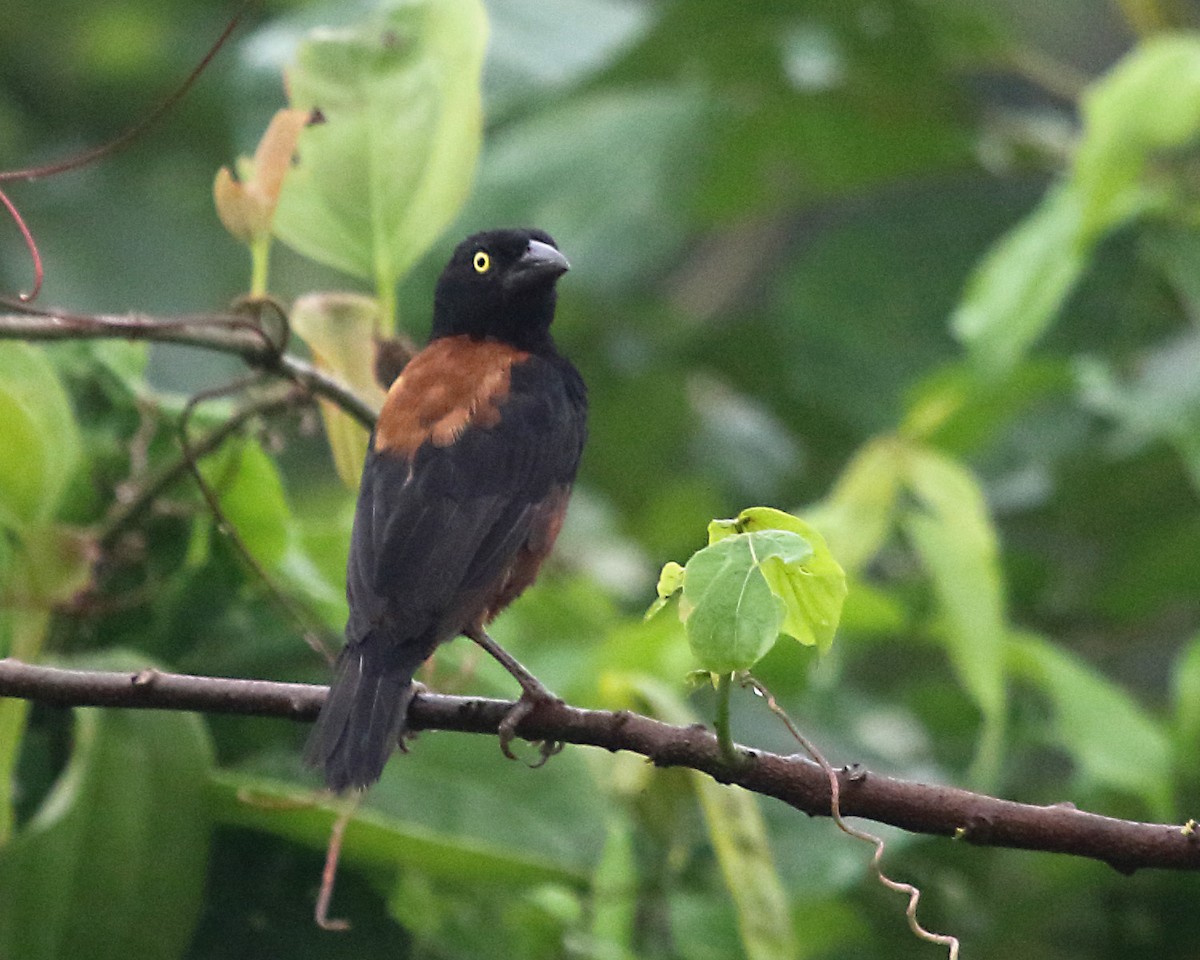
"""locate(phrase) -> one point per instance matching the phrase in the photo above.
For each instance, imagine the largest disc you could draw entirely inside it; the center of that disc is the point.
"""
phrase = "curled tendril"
(835, 809)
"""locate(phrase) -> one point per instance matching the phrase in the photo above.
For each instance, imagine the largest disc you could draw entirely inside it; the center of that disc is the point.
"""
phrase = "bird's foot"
(533, 697)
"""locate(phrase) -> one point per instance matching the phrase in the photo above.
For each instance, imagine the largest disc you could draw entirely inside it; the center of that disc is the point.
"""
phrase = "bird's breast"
(454, 383)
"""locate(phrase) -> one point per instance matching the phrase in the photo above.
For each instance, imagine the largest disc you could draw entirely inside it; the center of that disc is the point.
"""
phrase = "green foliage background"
(925, 273)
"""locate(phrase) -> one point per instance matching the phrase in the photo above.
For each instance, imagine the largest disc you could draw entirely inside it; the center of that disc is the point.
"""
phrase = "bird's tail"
(362, 721)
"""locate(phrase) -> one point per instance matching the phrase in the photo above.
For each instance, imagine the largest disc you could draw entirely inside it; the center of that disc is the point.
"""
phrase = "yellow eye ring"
(481, 261)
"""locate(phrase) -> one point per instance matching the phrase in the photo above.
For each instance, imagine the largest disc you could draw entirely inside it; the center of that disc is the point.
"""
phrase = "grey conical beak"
(539, 262)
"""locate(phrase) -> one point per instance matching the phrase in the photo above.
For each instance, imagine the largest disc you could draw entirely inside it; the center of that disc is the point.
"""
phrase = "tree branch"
(921, 808)
(225, 333)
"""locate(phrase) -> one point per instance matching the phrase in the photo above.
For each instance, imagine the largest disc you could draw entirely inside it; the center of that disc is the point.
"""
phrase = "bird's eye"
(481, 261)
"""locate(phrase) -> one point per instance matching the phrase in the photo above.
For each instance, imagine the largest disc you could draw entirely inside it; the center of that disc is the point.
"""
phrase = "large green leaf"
(739, 838)
(387, 170)
(112, 865)
(532, 55)
(251, 494)
(1145, 107)
(1018, 288)
(38, 435)
(373, 838)
(956, 541)
(604, 173)
(1114, 742)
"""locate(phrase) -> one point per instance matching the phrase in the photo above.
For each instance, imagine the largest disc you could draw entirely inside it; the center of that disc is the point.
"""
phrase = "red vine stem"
(30, 245)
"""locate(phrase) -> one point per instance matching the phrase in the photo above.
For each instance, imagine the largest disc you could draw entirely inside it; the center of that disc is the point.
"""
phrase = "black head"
(500, 284)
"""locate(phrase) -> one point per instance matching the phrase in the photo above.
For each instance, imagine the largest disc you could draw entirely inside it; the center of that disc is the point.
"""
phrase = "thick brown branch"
(921, 808)
(226, 333)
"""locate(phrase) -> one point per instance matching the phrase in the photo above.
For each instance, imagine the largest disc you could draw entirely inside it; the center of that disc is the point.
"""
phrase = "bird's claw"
(530, 701)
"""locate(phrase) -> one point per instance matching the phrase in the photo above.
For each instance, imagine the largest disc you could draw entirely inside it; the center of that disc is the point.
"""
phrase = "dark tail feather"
(362, 720)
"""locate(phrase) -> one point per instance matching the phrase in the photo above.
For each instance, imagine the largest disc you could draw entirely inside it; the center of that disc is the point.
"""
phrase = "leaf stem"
(260, 265)
(385, 293)
(724, 734)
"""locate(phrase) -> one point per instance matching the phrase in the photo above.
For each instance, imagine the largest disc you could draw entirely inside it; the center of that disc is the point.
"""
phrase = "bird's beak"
(539, 262)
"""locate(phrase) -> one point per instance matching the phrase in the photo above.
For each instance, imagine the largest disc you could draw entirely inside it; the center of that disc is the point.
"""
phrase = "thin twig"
(289, 606)
(127, 137)
(224, 333)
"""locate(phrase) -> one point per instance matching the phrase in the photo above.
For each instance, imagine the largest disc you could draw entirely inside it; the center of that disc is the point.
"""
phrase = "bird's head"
(500, 284)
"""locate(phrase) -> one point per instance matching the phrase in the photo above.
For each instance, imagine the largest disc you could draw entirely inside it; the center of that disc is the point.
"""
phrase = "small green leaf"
(670, 582)
(1115, 743)
(739, 838)
(38, 436)
(732, 616)
(113, 863)
(720, 529)
(391, 164)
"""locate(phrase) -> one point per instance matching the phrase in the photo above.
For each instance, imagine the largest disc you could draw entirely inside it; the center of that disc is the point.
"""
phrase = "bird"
(464, 489)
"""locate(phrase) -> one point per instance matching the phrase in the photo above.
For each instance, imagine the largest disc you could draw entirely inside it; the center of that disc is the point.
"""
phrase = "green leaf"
(1114, 742)
(858, 516)
(1021, 284)
(375, 838)
(252, 497)
(670, 582)
(531, 55)
(739, 838)
(614, 894)
(1185, 683)
(636, 153)
(113, 863)
(812, 587)
(38, 436)
(1148, 104)
(954, 537)
(732, 615)
(387, 171)
(340, 330)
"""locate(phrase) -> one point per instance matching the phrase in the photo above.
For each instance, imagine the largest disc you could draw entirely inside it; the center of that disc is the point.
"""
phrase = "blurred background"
(773, 210)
